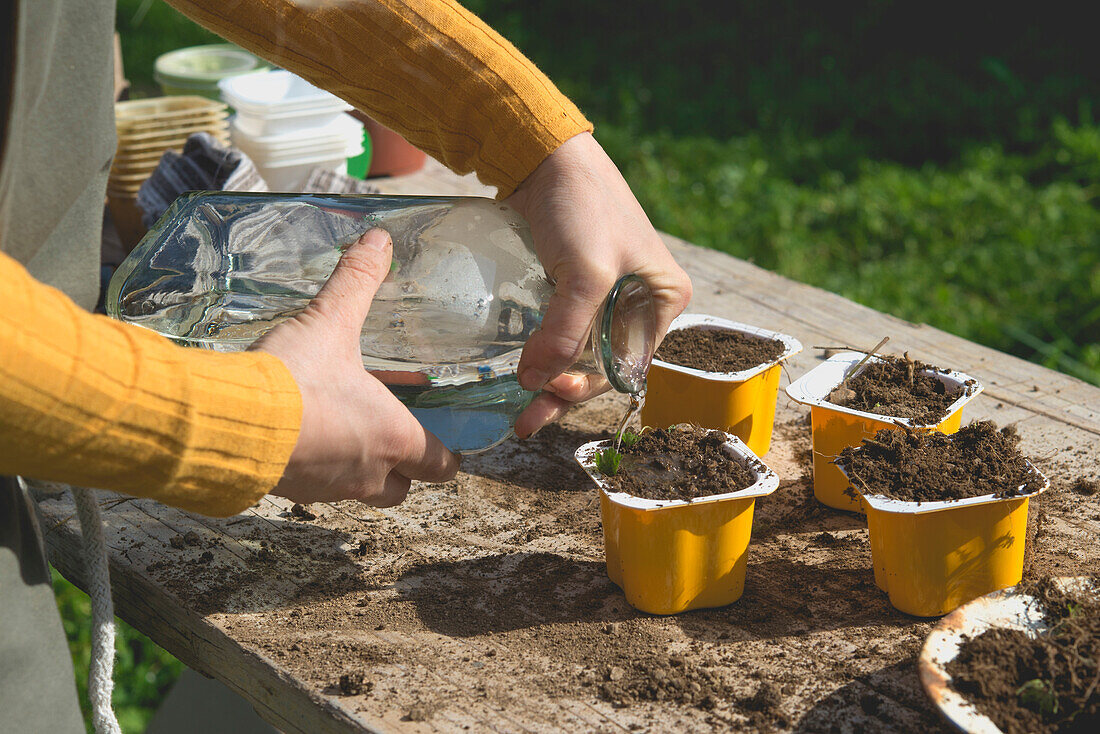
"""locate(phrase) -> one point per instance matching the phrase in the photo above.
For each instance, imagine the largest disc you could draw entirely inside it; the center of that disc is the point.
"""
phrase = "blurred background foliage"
(936, 161)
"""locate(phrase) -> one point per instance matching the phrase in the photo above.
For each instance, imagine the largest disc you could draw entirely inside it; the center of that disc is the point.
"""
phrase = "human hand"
(357, 441)
(588, 230)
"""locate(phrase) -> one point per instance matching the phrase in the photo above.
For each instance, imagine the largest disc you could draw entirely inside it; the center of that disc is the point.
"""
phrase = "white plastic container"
(277, 102)
(291, 175)
(341, 134)
(285, 160)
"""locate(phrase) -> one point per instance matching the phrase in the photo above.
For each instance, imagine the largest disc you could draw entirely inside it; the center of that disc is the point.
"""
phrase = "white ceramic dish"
(1006, 608)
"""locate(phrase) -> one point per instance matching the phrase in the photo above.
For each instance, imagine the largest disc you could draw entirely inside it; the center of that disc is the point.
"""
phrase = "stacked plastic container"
(288, 127)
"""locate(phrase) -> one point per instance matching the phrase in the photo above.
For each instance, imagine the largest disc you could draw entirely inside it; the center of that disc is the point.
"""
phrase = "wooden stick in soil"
(844, 393)
(854, 372)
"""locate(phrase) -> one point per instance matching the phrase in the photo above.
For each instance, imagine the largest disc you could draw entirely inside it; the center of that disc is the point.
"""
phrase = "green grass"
(940, 167)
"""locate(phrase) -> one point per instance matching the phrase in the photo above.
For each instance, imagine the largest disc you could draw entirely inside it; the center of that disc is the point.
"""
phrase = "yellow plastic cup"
(835, 428)
(669, 556)
(932, 557)
(741, 403)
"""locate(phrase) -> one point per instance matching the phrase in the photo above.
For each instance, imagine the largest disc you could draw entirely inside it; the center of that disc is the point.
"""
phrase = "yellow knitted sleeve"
(96, 403)
(429, 69)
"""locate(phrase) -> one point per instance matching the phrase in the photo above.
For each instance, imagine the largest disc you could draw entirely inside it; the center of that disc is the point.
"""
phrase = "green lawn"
(942, 167)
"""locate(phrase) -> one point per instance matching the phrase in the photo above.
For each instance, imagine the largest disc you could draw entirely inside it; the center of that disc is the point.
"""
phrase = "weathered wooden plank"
(482, 604)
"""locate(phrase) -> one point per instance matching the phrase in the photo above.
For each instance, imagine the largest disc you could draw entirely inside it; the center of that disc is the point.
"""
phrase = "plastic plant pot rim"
(165, 64)
(340, 129)
(334, 147)
(214, 127)
(904, 507)
(262, 115)
(257, 91)
(327, 157)
(1007, 609)
(813, 388)
(146, 110)
(767, 481)
(791, 347)
(130, 128)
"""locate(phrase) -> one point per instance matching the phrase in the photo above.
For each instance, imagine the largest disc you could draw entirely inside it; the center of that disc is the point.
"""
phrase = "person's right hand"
(357, 440)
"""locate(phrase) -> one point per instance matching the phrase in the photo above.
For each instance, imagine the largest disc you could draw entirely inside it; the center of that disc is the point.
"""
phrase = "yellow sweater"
(92, 402)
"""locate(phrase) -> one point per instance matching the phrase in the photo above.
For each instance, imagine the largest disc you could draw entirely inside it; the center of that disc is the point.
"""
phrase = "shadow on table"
(544, 462)
(785, 598)
(887, 701)
(274, 564)
(500, 593)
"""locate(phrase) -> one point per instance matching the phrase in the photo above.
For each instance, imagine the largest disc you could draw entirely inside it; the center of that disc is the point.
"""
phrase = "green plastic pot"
(198, 69)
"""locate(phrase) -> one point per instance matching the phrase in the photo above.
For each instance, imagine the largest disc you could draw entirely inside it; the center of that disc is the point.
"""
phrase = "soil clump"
(1046, 683)
(898, 387)
(1085, 487)
(915, 466)
(663, 678)
(718, 350)
(680, 464)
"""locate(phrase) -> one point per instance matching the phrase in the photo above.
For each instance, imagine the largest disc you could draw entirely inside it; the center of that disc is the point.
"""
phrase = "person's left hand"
(588, 230)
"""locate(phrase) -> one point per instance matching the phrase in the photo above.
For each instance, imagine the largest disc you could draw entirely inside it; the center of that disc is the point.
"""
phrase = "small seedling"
(629, 438)
(1038, 695)
(607, 461)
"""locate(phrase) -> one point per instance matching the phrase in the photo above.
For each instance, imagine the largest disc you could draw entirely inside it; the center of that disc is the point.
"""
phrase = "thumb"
(347, 295)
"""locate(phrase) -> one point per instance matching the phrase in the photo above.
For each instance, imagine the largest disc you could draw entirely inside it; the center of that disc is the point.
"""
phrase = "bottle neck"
(623, 336)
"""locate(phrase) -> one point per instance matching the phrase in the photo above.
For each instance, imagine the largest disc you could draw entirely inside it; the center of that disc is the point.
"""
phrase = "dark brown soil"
(1086, 487)
(717, 350)
(663, 678)
(918, 466)
(898, 387)
(1048, 683)
(680, 464)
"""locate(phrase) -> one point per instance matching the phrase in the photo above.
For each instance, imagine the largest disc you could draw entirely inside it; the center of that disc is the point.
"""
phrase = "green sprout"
(1038, 695)
(607, 461)
(629, 438)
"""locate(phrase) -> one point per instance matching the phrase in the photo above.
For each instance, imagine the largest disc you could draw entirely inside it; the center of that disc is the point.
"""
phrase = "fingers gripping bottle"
(446, 328)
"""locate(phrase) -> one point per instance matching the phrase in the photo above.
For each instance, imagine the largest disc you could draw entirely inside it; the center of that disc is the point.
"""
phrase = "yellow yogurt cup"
(741, 403)
(669, 556)
(932, 557)
(835, 427)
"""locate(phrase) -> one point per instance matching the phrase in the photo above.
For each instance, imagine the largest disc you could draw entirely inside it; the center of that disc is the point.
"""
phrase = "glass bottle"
(446, 328)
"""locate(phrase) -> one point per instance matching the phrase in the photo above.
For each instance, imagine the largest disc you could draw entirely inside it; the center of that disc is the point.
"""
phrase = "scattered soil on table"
(488, 598)
(718, 350)
(1086, 487)
(898, 387)
(917, 466)
(1047, 683)
(680, 464)
(663, 678)
(354, 684)
(301, 512)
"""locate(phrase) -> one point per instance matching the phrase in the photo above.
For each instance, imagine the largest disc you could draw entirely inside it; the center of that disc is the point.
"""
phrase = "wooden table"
(482, 604)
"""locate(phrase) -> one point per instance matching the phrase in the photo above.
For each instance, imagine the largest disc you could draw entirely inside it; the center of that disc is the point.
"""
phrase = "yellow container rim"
(791, 346)
(813, 388)
(903, 507)
(767, 481)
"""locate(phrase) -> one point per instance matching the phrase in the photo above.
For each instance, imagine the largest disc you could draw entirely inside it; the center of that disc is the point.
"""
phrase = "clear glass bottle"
(446, 328)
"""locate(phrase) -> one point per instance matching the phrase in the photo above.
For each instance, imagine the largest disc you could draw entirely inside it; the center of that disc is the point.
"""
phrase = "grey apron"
(56, 143)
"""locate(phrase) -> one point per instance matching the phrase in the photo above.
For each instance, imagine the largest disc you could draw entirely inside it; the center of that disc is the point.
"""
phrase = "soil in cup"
(917, 466)
(718, 350)
(1043, 683)
(899, 387)
(680, 463)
